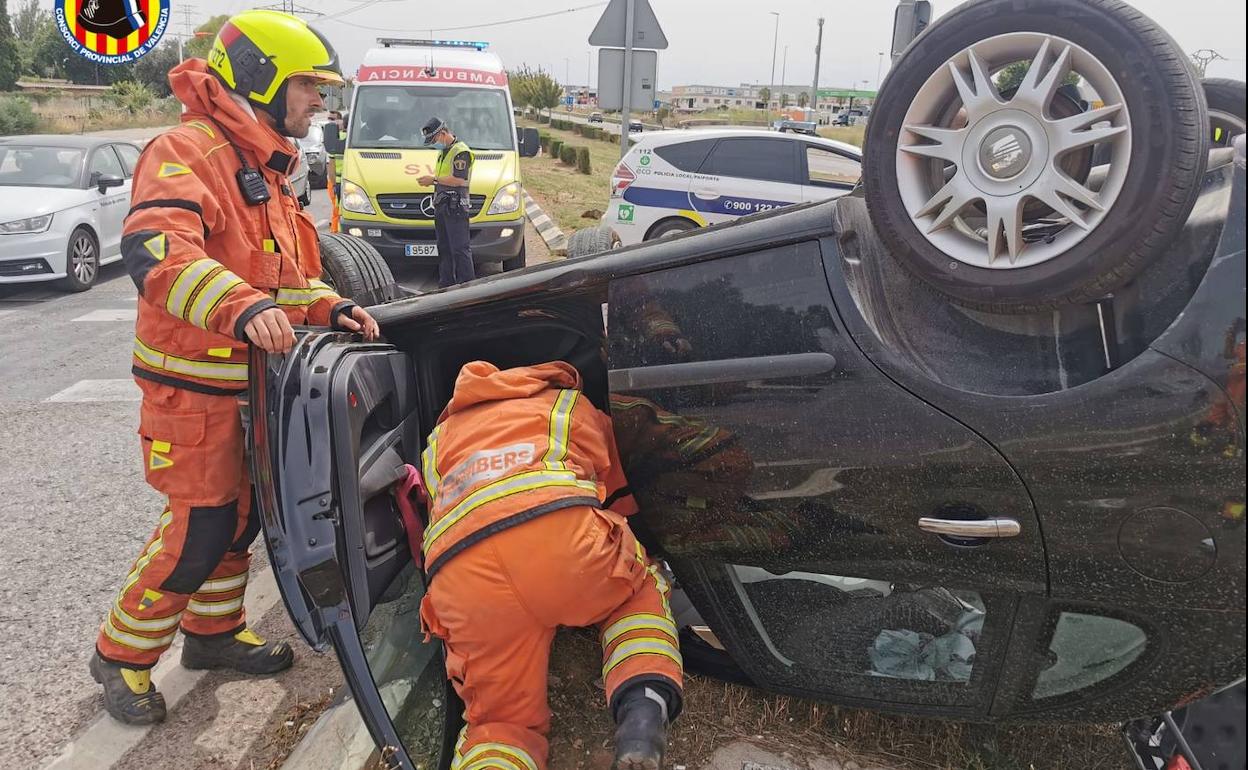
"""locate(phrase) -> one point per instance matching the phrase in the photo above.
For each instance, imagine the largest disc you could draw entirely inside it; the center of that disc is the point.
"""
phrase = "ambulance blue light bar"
(388, 42)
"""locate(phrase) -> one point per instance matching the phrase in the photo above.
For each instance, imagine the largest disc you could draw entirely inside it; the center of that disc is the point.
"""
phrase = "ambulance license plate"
(421, 250)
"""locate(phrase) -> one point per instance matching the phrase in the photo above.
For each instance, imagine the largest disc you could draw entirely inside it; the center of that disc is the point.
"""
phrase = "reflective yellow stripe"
(210, 296)
(512, 752)
(560, 427)
(637, 623)
(315, 284)
(223, 584)
(154, 624)
(520, 482)
(300, 297)
(645, 645)
(208, 370)
(135, 642)
(493, 762)
(215, 609)
(184, 285)
(430, 465)
(149, 553)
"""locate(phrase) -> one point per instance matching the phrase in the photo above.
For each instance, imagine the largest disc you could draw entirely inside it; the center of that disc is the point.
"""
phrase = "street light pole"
(771, 91)
(814, 88)
(878, 68)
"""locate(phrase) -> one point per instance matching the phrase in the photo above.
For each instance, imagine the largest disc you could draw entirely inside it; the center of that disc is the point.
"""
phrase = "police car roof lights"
(390, 42)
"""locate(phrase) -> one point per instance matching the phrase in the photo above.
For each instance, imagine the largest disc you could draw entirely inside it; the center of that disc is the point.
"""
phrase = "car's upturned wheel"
(517, 262)
(670, 227)
(990, 194)
(82, 261)
(356, 270)
(593, 240)
(1226, 109)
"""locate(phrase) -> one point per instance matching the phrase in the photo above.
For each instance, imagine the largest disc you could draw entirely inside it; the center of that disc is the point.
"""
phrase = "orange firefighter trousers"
(193, 570)
(497, 605)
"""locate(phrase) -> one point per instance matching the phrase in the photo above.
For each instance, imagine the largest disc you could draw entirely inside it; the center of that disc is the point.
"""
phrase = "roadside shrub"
(16, 116)
(544, 140)
(567, 155)
(555, 146)
(582, 160)
(131, 96)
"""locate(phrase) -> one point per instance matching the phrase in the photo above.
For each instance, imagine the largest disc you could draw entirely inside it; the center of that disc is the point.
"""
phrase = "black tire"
(517, 262)
(592, 240)
(673, 226)
(356, 271)
(1226, 109)
(305, 200)
(1168, 143)
(73, 282)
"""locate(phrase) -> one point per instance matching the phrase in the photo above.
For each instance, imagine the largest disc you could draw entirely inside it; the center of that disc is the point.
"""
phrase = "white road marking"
(99, 390)
(102, 744)
(110, 314)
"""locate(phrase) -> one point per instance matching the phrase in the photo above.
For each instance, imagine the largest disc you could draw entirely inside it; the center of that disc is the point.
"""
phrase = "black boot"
(244, 651)
(641, 730)
(129, 695)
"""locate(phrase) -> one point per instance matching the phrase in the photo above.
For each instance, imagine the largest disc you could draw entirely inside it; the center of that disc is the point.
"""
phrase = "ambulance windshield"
(391, 116)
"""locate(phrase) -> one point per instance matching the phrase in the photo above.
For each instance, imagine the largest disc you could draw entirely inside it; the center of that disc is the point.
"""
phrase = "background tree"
(152, 70)
(784, 101)
(803, 99)
(199, 46)
(10, 61)
(543, 92)
(764, 95)
(28, 20)
(1012, 74)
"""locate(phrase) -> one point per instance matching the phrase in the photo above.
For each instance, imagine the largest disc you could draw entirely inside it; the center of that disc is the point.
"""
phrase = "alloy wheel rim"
(971, 179)
(83, 259)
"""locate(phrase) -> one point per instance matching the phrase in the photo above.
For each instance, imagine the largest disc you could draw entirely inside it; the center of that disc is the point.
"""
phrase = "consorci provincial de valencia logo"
(112, 31)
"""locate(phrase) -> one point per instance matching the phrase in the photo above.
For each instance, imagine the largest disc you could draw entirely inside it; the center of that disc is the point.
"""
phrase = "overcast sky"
(712, 42)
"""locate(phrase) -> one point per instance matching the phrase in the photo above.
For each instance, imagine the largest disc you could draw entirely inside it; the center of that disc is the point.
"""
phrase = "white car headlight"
(507, 200)
(355, 199)
(31, 225)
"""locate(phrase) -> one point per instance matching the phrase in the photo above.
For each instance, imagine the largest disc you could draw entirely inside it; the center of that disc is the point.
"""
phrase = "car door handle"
(980, 528)
(706, 194)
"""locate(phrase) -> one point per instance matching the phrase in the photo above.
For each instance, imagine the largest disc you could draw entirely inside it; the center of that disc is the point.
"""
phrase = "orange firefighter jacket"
(205, 262)
(511, 446)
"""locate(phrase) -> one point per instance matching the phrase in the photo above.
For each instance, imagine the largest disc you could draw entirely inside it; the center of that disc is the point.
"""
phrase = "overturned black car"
(968, 442)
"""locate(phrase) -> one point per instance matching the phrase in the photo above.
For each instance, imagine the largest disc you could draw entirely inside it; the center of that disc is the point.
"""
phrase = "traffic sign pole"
(628, 78)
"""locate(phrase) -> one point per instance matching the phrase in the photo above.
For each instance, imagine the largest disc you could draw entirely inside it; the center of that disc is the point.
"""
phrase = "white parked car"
(63, 201)
(674, 181)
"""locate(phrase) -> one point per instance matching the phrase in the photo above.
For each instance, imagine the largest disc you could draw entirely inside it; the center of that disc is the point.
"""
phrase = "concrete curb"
(106, 741)
(337, 741)
(546, 227)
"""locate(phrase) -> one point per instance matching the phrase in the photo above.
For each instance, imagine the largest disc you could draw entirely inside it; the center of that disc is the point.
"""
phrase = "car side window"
(129, 157)
(104, 162)
(686, 156)
(825, 168)
(763, 159)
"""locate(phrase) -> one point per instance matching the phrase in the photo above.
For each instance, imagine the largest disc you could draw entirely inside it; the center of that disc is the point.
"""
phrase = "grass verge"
(564, 193)
(855, 135)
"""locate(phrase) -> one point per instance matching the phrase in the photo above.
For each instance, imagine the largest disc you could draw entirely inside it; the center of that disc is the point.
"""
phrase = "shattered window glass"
(1086, 650)
(868, 627)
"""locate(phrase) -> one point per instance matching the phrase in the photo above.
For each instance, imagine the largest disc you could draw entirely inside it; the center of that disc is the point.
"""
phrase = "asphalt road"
(75, 508)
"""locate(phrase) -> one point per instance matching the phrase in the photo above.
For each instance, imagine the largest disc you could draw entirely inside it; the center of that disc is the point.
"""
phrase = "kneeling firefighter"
(222, 256)
(519, 542)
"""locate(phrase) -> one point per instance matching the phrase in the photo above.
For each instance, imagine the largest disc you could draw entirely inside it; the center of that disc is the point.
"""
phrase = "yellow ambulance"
(399, 86)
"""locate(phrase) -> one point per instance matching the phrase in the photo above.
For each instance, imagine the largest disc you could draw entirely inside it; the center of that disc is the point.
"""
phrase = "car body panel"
(794, 434)
(37, 257)
(695, 189)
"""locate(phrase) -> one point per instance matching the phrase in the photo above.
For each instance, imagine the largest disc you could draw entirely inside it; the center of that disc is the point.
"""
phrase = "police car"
(676, 181)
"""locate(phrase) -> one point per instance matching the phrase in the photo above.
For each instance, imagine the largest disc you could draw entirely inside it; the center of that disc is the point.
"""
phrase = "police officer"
(450, 203)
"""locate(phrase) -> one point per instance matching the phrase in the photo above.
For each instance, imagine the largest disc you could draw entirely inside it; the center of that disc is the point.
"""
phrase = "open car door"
(334, 423)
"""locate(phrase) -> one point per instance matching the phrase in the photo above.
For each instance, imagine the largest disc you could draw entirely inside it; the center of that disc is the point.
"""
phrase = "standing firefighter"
(450, 203)
(222, 256)
(520, 542)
